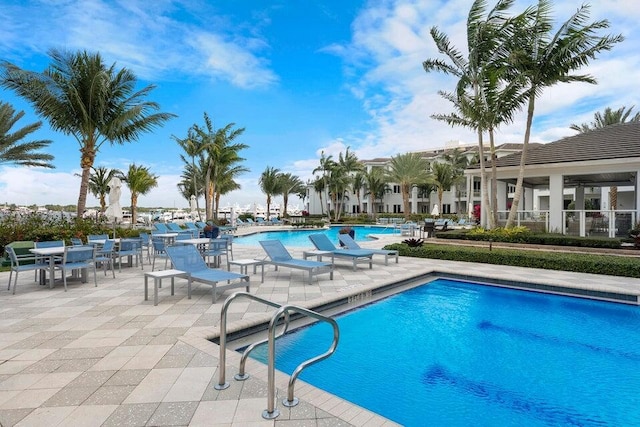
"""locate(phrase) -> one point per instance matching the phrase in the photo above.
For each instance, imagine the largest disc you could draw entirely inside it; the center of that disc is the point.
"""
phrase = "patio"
(105, 357)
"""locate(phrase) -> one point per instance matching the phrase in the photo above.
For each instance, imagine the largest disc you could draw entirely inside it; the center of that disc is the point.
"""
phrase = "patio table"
(51, 254)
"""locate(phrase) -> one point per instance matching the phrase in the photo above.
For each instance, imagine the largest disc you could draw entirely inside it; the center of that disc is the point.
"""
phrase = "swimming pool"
(454, 353)
(300, 238)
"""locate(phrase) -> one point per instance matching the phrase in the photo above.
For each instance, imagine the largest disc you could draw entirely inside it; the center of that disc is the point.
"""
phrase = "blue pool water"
(458, 354)
(300, 238)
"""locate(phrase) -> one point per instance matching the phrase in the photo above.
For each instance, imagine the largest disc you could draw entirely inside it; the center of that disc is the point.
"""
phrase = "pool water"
(300, 238)
(458, 354)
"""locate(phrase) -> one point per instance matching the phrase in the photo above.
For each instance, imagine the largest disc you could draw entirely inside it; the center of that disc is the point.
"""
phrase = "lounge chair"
(161, 227)
(349, 243)
(187, 258)
(322, 243)
(279, 256)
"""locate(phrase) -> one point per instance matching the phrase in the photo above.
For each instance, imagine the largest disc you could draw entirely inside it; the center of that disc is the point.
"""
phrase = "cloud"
(148, 38)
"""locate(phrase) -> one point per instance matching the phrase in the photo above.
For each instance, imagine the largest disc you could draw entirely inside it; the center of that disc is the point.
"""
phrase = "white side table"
(157, 282)
(319, 255)
(245, 263)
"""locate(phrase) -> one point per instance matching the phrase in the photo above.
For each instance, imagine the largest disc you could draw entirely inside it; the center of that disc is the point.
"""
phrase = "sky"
(301, 77)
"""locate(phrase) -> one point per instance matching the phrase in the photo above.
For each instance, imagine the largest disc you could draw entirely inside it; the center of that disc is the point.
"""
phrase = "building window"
(397, 209)
(396, 189)
(446, 208)
(511, 188)
(477, 185)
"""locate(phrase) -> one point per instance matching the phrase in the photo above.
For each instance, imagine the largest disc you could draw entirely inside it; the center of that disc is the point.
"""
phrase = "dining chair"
(106, 256)
(20, 263)
(130, 248)
(78, 258)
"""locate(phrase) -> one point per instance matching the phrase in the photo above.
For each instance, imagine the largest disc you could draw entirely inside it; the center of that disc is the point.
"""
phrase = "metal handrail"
(283, 311)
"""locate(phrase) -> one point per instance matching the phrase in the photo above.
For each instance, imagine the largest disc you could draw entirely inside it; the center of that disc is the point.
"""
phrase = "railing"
(534, 220)
(283, 312)
(604, 223)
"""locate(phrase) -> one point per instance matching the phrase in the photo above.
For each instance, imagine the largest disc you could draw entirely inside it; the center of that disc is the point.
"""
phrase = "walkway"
(105, 357)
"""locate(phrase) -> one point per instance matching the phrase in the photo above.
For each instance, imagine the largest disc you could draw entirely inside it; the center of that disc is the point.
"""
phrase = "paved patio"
(102, 356)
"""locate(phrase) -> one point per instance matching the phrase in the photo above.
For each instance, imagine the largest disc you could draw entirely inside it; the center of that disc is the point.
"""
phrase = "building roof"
(612, 142)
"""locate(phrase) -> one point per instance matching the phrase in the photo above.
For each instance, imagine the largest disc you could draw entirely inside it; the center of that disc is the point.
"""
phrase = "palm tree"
(607, 118)
(80, 96)
(99, 184)
(227, 182)
(459, 162)
(478, 98)
(376, 186)
(192, 148)
(289, 184)
(356, 185)
(326, 163)
(604, 119)
(12, 147)
(319, 187)
(407, 170)
(546, 59)
(140, 181)
(442, 178)
(270, 184)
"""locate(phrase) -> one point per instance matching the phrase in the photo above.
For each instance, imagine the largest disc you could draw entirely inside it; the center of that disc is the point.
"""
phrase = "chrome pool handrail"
(283, 311)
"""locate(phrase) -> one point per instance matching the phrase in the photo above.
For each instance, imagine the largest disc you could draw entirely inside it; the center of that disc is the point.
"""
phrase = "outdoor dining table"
(167, 237)
(51, 254)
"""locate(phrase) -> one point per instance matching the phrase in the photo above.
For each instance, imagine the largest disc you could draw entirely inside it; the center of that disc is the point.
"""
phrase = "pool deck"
(102, 356)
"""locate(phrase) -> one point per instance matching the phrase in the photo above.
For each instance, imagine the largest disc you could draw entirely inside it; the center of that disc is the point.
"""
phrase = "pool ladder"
(283, 311)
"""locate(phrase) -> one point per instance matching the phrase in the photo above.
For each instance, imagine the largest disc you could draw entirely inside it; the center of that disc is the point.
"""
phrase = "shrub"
(550, 260)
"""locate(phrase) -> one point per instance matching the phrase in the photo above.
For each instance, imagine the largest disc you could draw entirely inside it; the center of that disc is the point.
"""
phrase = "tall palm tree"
(289, 184)
(604, 119)
(99, 184)
(356, 186)
(192, 148)
(13, 148)
(375, 187)
(270, 184)
(442, 178)
(459, 162)
(80, 96)
(546, 59)
(477, 97)
(319, 188)
(407, 170)
(349, 166)
(140, 181)
(227, 182)
(326, 163)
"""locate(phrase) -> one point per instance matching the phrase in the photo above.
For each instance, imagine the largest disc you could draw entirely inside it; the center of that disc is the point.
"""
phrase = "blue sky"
(301, 76)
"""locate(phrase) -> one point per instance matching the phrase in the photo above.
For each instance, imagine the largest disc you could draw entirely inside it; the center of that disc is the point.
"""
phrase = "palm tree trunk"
(489, 221)
(527, 134)
(134, 209)
(494, 178)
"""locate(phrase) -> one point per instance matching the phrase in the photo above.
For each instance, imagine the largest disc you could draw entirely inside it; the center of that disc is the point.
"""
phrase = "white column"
(556, 203)
(414, 199)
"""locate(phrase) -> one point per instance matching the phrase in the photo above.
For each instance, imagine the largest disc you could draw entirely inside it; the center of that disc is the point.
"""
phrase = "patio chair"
(158, 251)
(201, 224)
(175, 228)
(250, 221)
(106, 256)
(94, 237)
(349, 243)
(76, 241)
(217, 248)
(279, 256)
(260, 221)
(187, 258)
(78, 258)
(25, 262)
(146, 244)
(161, 227)
(322, 243)
(130, 248)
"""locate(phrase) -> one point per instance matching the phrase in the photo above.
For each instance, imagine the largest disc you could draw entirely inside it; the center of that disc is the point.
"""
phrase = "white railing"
(604, 223)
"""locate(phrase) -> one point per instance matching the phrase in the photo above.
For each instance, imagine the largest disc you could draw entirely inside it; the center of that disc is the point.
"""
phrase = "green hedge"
(583, 263)
(532, 238)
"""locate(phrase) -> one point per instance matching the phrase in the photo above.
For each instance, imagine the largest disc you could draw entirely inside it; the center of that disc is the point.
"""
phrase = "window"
(477, 185)
(396, 189)
(397, 208)
(446, 208)
(511, 188)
